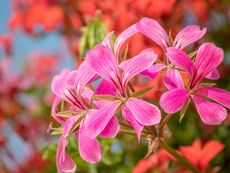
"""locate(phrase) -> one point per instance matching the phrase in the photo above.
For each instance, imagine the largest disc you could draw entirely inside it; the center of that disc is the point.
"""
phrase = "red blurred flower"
(201, 156)
(6, 42)
(158, 161)
(32, 12)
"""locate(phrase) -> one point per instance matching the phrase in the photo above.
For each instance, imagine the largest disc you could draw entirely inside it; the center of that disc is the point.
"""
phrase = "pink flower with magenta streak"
(153, 30)
(116, 76)
(209, 101)
(70, 87)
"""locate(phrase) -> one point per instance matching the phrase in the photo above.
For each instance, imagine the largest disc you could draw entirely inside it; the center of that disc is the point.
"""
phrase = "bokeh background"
(38, 38)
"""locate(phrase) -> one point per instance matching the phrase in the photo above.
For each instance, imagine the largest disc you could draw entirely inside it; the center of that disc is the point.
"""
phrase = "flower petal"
(180, 59)
(153, 71)
(102, 60)
(213, 75)
(152, 29)
(111, 129)
(193, 152)
(209, 151)
(105, 88)
(188, 35)
(137, 64)
(98, 119)
(219, 95)
(84, 75)
(54, 110)
(58, 83)
(208, 58)
(89, 149)
(122, 37)
(173, 100)
(64, 163)
(173, 79)
(145, 113)
(107, 40)
(127, 115)
(68, 124)
(210, 113)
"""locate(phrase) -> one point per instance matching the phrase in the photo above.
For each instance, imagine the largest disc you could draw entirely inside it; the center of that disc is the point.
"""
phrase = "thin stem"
(180, 158)
(164, 122)
(126, 125)
(123, 123)
(130, 132)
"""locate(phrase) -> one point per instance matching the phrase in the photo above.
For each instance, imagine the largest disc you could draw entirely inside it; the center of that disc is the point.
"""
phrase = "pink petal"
(112, 128)
(137, 64)
(152, 29)
(87, 94)
(126, 34)
(210, 113)
(54, 110)
(127, 115)
(89, 149)
(108, 39)
(58, 83)
(105, 88)
(68, 124)
(98, 119)
(219, 95)
(102, 60)
(208, 58)
(180, 59)
(173, 79)
(153, 71)
(188, 35)
(213, 75)
(64, 163)
(70, 79)
(83, 77)
(145, 113)
(173, 100)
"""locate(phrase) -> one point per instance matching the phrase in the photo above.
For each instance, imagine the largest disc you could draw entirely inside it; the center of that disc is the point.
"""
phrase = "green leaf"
(84, 41)
(184, 110)
(93, 34)
(49, 151)
(141, 92)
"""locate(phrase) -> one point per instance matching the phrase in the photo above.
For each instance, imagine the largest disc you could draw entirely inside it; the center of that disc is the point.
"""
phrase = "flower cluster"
(88, 113)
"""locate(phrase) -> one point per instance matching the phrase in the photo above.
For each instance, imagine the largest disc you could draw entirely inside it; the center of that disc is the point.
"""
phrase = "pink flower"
(71, 88)
(104, 59)
(207, 60)
(152, 29)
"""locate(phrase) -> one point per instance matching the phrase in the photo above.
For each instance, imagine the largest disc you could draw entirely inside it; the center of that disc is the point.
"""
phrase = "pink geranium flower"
(105, 62)
(152, 29)
(209, 101)
(70, 86)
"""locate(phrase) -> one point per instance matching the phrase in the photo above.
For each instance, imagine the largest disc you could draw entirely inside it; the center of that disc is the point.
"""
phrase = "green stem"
(164, 122)
(129, 132)
(180, 158)
(126, 125)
